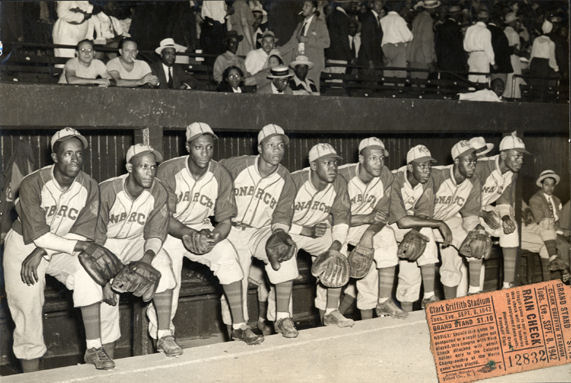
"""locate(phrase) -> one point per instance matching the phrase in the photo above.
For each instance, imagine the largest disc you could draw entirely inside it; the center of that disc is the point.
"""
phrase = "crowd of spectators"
(474, 41)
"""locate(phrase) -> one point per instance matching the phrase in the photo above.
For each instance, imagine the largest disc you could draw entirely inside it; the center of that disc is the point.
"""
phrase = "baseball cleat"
(390, 309)
(247, 336)
(426, 301)
(169, 346)
(335, 318)
(99, 358)
(286, 327)
(264, 328)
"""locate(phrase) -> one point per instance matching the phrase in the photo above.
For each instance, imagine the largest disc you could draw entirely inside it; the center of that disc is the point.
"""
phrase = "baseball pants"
(410, 277)
(251, 242)
(26, 302)
(385, 255)
(130, 250)
(222, 260)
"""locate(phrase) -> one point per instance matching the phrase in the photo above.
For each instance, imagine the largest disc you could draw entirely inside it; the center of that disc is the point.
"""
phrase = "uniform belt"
(241, 226)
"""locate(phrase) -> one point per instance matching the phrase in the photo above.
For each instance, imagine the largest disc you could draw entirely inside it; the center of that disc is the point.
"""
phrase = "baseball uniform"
(53, 219)
(128, 227)
(458, 205)
(263, 205)
(365, 199)
(193, 202)
(311, 207)
(416, 201)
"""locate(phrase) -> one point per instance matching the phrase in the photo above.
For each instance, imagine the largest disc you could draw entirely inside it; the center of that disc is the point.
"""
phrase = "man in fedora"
(229, 58)
(256, 59)
(170, 75)
(420, 52)
(279, 77)
(299, 83)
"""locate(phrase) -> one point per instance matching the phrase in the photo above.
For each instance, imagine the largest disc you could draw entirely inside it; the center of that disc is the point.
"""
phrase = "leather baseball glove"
(360, 261)
(100, 263)
(331, 268)
(412, 245)
(477, 244)
(138, 278)
(198, 242)
(280, 248)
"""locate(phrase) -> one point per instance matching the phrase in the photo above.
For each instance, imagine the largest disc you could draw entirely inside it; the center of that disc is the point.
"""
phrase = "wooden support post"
(150, 135)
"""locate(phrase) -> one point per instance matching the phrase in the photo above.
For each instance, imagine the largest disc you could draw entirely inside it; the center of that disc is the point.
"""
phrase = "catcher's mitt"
(100, 263)
(412, 245)
(280, 248)
(331, 268)
(198, 242)
(138, 278)
(477, 244)
(360, 260)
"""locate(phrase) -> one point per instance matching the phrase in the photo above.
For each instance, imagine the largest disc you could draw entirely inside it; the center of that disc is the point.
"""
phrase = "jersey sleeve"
(225, 207)
(383, 205)
(158, 221)
(283, 213)
(473, 201)
(166, 173)
(87, 219)
(108, 197)
(29, 209)
(397, 210)
(341, 207)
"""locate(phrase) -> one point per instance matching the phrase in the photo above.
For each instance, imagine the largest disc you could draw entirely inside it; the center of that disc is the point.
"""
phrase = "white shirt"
(553, 208)
(513, 37)
(479, 39)
(544, 48)
(356, 41)
(395, 29)
(215, 9)
(305, 26)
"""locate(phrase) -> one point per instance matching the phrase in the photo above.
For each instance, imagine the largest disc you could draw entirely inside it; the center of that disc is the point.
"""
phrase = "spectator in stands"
(489, 95)
(71, 26)
(232, 80)
(171, 76)
(84, 69)
(127, 71)
(396, 37)
(279, 77)
(339, 52)
(309, 38)
(299, 83)
(213, 28)
(542, 62)
(229, 58)
(420, 52)
(513, 83)
(501, 47)
(242, 21)
(257, 59)
(450, 54)
(260, 22)
(371, 55)
(478, 44)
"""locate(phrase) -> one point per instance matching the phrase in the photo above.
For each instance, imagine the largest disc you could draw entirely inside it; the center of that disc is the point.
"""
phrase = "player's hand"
(103, 82)
(29, 271)
(508, 224)
(109, 296)
(446, 234)
(319, 230)
(491, 219)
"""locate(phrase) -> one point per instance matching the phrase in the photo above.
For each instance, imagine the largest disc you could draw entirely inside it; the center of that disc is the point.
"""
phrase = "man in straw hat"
(420, 52)
(170, 75)
(279, 78)
(299, 83)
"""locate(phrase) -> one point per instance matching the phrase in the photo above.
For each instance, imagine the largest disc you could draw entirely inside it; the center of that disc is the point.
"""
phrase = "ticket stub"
(501, 332)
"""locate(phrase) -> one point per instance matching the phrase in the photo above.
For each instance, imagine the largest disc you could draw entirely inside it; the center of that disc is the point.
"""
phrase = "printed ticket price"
(501, 332)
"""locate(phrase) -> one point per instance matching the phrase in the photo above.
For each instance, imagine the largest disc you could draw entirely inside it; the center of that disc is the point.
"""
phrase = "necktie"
(551, 208)
(304, 28)
(170, 82)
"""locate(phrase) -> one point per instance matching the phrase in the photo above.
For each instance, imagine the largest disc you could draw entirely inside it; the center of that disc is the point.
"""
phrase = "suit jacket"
(179, 76)
(421, 48)
(449, 41)
(371, 38)
(338, 26)
(502, 51)
(267, 89)
(540, 207)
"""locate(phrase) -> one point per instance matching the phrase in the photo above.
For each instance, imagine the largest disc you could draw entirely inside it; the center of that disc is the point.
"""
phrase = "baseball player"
(457, 203)
(57, 214)
(133, 223)
(200, 188)
(369, 185)
(498, 175)
(264, 193)
(322, 196)
(412, 207)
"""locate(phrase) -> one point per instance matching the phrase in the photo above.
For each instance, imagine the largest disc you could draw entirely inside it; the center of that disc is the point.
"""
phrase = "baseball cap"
(197, 129)
(373, 142)
(66, 134)
(271, 130)
(460, 148)
(322, 150)
(138, 149)
(482, 147)
(419, 153)
(513, 142)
